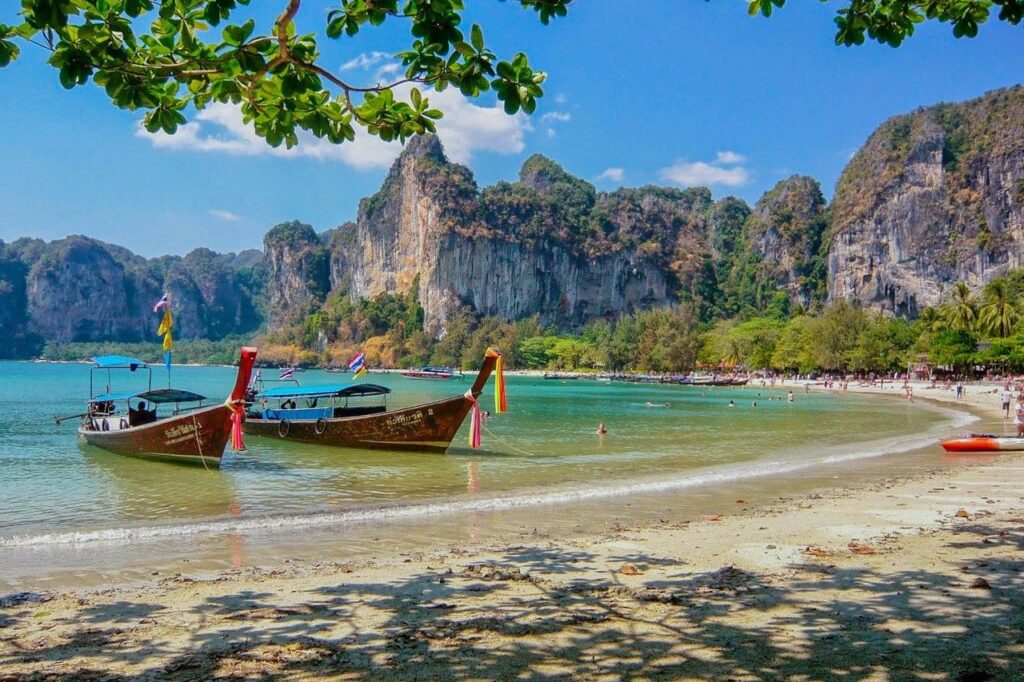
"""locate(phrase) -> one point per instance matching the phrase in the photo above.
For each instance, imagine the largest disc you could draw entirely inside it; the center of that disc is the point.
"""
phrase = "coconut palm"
(962, 313)
(933, 319)
(999, 315)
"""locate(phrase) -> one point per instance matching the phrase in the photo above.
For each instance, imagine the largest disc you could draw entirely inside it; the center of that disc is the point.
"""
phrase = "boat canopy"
(325, 391)
(118, 362)
(162, 395)
(171, 395)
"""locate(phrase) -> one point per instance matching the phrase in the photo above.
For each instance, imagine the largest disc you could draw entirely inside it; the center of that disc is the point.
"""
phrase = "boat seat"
(299, 414)
(358, 411)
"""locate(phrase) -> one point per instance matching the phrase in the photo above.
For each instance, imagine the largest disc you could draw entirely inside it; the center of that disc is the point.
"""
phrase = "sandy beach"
(907, 578)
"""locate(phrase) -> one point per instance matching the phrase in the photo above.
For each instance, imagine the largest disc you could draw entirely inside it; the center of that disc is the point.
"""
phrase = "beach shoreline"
(906, 567)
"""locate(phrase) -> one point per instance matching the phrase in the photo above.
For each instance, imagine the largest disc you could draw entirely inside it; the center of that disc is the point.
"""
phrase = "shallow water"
(54, 490)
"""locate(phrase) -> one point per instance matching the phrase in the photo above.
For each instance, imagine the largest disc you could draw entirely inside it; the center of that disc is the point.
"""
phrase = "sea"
(71, 513)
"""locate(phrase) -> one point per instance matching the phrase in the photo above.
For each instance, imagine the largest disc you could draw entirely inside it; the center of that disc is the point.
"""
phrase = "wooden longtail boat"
(428, 427)
(190, 433)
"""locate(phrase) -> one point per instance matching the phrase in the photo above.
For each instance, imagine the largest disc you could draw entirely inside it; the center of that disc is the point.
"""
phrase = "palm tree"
(962, 314)
(999, 315)
(933, 319)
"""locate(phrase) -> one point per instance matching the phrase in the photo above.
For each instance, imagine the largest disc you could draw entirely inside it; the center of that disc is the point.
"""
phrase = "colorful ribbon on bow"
(500, 403)
(237, 415)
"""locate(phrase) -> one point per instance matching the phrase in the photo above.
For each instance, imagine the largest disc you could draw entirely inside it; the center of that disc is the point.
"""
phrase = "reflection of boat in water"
(430, 426)
(190, 432)
(431, 373)
(141, 489)
(983, 442)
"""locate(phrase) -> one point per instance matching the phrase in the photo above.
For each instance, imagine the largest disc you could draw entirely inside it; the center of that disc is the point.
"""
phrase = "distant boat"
(190, 432)
(983, 442)
(431, 373)
(356, 415)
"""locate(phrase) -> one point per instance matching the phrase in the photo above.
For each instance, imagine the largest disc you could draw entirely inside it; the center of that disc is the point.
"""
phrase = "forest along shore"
(919, 575)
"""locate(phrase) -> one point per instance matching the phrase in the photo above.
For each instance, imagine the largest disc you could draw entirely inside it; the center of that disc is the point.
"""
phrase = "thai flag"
(357, 362)
(165, 300)
(286, 372)
(258, 377)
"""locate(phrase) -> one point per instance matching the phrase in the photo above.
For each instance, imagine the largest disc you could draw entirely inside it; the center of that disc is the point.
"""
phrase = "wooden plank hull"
(429, 427)
(198, 437)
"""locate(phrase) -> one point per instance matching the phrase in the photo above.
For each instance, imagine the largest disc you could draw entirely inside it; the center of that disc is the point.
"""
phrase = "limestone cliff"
(933, 197)
(781, 244)
(548, 245)
(297, 271)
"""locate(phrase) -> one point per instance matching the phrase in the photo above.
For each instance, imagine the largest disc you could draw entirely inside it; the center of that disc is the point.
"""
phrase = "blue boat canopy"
(325, 391)
(162, 395)
(118, 362)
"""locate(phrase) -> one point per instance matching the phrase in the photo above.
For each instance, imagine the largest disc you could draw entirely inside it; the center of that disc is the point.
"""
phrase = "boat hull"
(429, 427)
(197, 437)
(983, 443)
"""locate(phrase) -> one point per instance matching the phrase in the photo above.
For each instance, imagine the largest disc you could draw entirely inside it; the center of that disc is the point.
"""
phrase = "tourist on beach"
(959, 390)
(601, 430)
(1018, 417)
(1007, 399)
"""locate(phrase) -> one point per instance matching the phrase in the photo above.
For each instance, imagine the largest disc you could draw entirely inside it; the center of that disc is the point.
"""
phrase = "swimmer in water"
(732, 404)
(601, 430)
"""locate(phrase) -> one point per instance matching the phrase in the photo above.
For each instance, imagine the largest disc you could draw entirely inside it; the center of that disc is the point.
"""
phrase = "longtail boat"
(326, 415)
(189, 432)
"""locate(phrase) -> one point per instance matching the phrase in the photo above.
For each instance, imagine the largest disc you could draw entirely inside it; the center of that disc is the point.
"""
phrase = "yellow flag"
(165, 329)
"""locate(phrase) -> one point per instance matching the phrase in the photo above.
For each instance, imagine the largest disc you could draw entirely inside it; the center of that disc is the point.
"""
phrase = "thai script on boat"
(179, 433)
(402, 419)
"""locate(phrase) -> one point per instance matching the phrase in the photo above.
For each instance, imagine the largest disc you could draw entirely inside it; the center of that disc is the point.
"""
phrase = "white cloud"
(551, 132)
(612, 174)
(560, 98)
(387, 71)
(364, 60)
(725, 170)
(225, 215)
(729, 158)
(465, 129)
(556, 116)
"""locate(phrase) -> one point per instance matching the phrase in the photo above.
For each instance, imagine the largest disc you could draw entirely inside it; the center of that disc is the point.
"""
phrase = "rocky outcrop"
(548, 245)
(784, 233)
(297, 270)
(933, 198)
(15, 339)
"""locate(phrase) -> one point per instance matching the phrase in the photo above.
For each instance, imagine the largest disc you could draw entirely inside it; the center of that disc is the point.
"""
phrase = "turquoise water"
(545, 450)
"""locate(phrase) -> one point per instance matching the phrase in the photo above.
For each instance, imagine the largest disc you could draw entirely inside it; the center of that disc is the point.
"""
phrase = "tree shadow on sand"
(545, 614)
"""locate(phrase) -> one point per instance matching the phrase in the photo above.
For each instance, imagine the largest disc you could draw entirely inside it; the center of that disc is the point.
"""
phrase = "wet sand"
(910, 577)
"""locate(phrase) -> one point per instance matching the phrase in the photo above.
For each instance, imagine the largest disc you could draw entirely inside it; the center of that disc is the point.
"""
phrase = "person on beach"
(601, 430)
(1018, 417)
(959, 390)
(1007, 399)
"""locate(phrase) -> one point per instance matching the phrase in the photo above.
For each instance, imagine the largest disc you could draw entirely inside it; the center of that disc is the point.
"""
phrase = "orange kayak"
(981, 442)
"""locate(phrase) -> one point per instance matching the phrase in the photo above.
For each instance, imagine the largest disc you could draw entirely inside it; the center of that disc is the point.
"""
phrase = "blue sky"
(666, 92)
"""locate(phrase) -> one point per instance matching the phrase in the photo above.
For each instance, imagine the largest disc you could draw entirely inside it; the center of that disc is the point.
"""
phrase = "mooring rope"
(199, 442)
(506, 443)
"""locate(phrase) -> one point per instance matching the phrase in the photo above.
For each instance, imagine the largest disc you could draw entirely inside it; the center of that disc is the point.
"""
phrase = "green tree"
(962, 313)
(161, 57)
(795, 347)
(892, 21)
(998, 316)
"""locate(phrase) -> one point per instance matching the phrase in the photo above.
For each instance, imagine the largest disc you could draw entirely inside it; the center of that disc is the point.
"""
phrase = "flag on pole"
(164, 329)
(358, 365)
(287, 372)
